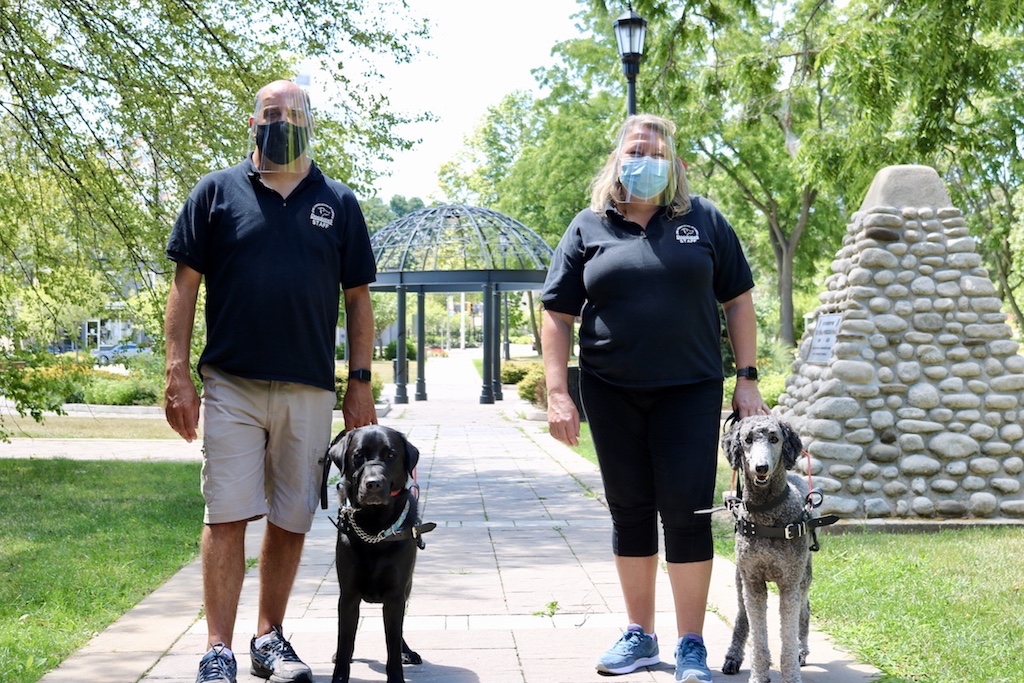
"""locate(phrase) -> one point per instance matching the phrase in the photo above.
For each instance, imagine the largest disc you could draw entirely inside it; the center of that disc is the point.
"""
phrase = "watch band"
(363, 375)
(748, 372)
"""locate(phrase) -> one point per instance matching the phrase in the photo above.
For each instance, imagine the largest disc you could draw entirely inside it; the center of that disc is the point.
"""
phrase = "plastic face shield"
(282, 129)
(646, 161)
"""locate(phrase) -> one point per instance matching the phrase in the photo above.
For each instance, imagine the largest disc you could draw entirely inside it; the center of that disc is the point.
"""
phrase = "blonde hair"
(606, 186)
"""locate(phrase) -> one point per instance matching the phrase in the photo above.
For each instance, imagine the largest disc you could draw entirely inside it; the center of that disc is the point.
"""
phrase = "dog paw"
(412, 658)
(803, 657)
(731, 666)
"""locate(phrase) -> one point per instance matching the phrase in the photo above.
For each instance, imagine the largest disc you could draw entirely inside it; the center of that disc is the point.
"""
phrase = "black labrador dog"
(378, 536)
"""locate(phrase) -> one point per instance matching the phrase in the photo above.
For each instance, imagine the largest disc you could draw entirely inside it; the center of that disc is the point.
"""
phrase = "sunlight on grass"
(81, 427)
(81, 544)
(920, 606)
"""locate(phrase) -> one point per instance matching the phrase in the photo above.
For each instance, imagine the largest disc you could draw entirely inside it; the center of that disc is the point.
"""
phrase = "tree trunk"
(533, 323)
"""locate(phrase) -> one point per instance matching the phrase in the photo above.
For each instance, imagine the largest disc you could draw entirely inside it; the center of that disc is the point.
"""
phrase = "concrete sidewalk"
(516, 584)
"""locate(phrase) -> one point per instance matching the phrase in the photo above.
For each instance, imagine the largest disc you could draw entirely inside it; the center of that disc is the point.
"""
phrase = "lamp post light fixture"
(630, 31)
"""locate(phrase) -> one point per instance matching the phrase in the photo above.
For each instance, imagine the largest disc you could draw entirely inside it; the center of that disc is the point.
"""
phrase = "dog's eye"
(389, 454)
(750, 438)
(773, 437)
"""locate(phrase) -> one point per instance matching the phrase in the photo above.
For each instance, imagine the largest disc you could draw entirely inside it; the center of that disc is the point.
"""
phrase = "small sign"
(825, 330)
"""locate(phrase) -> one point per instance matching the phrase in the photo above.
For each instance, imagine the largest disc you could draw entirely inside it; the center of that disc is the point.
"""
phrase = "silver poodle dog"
(774, 528)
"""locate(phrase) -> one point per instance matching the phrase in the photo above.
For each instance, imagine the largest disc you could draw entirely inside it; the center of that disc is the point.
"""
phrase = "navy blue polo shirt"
(648, 299)
(273, 269)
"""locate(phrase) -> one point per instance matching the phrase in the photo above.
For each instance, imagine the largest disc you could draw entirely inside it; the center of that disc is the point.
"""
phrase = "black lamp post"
(503, 245)
(630, 31)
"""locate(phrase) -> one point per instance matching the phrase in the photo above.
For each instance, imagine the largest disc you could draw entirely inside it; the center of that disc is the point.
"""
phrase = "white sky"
(479, 51)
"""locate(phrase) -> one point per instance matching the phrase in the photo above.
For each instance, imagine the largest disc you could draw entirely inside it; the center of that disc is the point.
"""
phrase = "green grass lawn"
(82, 427)
(81, 543)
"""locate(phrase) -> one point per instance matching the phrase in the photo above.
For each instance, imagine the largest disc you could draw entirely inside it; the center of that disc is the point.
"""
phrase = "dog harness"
(346, 523)
(806, 525)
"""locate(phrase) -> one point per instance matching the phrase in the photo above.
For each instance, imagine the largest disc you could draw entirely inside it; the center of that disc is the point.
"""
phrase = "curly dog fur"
(762, 449)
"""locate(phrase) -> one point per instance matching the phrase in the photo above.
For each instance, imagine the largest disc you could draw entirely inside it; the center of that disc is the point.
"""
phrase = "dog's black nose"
(761, 469)
(374, 484)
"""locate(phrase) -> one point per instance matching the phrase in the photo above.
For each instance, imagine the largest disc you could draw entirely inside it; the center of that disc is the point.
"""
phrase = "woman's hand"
(746, 399)
(563, 418)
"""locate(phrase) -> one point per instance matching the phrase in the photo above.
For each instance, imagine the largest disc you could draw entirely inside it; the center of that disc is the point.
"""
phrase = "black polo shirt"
(648, 299)
(273, 268)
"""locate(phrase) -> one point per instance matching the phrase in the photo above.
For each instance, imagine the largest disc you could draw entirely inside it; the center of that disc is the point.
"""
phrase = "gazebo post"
(487, 391)
(496, 343)
(401, 395)
(421, 326)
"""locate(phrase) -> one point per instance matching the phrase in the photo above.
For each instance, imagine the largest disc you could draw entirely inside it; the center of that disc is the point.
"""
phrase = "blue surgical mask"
(644, 177)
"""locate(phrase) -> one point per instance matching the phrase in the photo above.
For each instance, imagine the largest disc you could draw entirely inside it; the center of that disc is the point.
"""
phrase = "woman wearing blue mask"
(645, 268)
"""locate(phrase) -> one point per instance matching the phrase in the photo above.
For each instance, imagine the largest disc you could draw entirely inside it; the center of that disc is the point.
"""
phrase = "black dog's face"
(375, 463)
(757, 445)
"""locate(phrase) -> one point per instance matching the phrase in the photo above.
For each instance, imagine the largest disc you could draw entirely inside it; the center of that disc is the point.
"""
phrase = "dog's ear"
(412, 455)
(792, 446)
(732, 448)
(336, 451)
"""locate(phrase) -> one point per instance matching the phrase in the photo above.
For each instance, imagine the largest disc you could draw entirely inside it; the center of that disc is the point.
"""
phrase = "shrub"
(341, 384)
(513, 372)
(63, 382)
(113, 390)
(391, 350)
(532, 387)
(772, 385)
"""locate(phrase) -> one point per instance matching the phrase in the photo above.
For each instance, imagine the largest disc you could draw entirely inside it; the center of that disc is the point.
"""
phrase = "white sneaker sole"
(642, 662)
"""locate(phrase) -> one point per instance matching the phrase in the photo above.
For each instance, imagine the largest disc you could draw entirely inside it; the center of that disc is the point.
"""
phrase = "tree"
(377, 213)
(402, 206)
(787, 110)
(951, 76)
(112, 112)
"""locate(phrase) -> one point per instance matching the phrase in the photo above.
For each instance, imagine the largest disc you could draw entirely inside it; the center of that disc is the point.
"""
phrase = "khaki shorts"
(263, 442)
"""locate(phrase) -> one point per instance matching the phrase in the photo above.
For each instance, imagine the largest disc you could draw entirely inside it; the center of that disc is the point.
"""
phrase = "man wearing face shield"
(646, 267)
(279, 245)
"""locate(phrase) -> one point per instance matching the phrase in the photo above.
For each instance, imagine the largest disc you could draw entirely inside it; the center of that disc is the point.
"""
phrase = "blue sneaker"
(692, 660)
(634, 650)
(217, 666)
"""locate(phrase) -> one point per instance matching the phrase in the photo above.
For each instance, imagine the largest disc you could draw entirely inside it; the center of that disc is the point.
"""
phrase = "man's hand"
(357, 407)
(181, 404)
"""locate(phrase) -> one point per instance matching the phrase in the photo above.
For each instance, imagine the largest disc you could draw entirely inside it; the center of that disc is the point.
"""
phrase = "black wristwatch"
(361, 375)
(749, 373)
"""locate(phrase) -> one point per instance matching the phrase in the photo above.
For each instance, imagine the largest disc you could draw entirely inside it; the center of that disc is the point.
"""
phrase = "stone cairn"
(907, 390)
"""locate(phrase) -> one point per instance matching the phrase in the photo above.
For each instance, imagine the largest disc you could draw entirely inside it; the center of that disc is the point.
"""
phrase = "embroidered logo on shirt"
(687, 234)
(322, 216)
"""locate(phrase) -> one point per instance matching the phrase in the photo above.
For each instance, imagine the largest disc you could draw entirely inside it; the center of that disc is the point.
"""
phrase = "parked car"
(108, 354)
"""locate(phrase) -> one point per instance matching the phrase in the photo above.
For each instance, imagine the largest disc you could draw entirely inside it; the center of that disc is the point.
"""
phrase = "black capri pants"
(658, 453)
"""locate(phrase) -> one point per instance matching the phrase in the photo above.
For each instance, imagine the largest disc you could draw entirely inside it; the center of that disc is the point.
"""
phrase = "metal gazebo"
(457, 248)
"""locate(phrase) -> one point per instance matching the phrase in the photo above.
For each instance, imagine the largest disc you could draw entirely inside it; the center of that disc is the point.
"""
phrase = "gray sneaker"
(217, 666)
(277, 661)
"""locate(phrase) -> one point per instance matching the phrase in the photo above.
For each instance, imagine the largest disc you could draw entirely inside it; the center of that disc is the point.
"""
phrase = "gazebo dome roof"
(456, 237)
